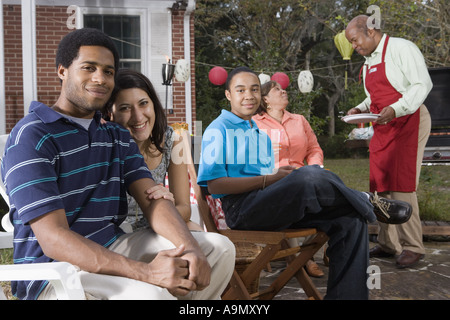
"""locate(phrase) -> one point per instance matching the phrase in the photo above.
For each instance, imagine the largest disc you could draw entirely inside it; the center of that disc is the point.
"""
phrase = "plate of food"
(360, 118)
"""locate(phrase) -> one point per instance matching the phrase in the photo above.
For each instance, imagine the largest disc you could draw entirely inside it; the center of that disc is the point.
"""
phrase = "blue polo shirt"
(54, 163)
(234, 147)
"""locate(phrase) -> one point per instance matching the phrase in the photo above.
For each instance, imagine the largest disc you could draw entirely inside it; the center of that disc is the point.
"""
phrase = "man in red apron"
(396, 82)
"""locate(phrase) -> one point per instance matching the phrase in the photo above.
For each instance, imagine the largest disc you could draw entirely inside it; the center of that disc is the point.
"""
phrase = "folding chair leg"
(285, 276)
(307, 285)
(236, 289)
(295, 264)
(303, 278)
(261, 261)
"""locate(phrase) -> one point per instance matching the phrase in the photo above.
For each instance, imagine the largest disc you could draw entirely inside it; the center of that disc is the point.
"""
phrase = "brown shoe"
(313, 269)
(378, 252)
(408, 259)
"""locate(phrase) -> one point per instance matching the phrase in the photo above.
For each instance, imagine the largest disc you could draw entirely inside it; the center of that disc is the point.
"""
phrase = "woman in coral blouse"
(293, 139)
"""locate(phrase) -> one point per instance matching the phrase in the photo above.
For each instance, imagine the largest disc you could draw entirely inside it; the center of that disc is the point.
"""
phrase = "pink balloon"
(218, 76)
(282, 78)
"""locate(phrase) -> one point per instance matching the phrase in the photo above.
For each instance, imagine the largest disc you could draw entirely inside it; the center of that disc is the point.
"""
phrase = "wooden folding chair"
(274, 245)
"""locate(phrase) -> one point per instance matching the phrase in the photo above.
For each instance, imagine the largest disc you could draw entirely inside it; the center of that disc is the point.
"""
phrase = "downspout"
(29, 53)
(2, 74)
(187, 56)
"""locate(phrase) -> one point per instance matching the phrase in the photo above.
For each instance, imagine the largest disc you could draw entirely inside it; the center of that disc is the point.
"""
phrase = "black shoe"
(390, 211)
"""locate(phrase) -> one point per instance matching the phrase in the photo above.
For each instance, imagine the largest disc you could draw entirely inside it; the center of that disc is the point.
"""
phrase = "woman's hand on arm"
(160, 192)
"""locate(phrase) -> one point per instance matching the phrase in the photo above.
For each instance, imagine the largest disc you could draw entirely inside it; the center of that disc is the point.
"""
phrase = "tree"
(293, 35)
(267, 36)
(426, 23)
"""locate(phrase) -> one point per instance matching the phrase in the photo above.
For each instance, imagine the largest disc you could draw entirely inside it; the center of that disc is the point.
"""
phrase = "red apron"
(393, 148)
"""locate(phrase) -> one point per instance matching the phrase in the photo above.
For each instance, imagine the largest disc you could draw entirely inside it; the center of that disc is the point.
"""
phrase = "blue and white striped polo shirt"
(53, 163)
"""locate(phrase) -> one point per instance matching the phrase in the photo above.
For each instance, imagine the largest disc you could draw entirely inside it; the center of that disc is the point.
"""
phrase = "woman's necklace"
(277, 115)
(152, 156)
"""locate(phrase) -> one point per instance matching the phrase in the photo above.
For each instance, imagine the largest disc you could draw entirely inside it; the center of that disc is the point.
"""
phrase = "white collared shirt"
(405, 70)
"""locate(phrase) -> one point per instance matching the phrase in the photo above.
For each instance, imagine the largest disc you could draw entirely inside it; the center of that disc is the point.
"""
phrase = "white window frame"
(152, 57)
(142, 13)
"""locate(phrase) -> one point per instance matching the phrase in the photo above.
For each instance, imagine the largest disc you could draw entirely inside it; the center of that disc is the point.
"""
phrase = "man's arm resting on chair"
(168, 269)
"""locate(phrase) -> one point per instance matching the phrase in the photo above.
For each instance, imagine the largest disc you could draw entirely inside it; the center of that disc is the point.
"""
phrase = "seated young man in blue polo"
(237, 166)
(67, 175)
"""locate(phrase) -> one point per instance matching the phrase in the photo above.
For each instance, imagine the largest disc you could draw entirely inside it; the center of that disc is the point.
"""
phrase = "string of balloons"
(218, 75)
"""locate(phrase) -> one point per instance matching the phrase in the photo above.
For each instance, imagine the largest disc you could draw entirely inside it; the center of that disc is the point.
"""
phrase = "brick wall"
(50, 29)
(13, 65)
(179, 102)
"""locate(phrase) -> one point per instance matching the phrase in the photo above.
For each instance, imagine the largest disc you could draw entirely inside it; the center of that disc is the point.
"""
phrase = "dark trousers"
(316, 198)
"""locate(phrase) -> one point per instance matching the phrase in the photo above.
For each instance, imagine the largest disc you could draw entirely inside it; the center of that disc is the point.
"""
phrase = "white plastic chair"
(6, 238)
(62, 275)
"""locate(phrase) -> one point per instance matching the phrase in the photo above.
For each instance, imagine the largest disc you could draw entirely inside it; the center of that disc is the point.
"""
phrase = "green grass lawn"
(6, 258)
(433, 192)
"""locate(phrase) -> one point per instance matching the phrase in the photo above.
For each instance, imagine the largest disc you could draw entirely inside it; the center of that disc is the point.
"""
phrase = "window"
(125, 30)
(143, 36)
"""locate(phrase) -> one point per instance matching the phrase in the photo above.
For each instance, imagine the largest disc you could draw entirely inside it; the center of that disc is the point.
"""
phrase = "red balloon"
(282, 78)
(218, 76)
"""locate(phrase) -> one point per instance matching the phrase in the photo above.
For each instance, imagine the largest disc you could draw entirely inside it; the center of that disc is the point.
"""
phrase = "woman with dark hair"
(134, 104)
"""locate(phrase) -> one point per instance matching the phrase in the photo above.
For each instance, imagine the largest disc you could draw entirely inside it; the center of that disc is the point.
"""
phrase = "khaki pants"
(144, 245)
(407, 236)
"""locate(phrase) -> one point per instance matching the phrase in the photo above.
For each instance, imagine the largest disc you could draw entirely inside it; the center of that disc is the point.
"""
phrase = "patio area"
(428, 280)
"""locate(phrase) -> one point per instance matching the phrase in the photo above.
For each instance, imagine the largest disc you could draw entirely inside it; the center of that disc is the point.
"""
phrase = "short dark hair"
(69, 46)
(129, 79)
(235, 72)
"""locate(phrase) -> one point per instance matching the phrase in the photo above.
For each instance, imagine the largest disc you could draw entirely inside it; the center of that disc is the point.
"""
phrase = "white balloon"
(182, 70)
(305, 81)
(263, 78)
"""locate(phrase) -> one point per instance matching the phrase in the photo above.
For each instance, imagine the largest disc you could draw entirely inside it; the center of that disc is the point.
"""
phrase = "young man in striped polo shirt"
(67, 175)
